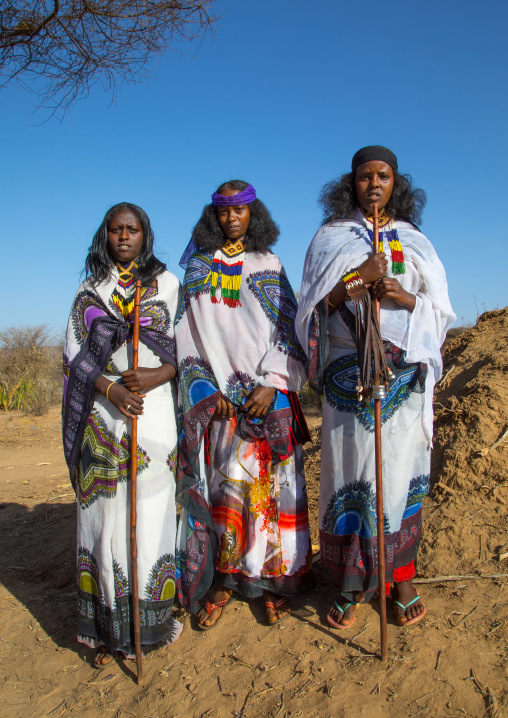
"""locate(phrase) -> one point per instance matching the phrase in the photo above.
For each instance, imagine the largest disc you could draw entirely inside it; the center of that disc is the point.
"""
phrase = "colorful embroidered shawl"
(232, 350)
(341, 245)
(96, 329)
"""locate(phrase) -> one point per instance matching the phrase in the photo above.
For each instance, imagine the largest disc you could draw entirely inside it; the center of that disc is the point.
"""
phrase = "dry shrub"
(309, 399)
(30, 369)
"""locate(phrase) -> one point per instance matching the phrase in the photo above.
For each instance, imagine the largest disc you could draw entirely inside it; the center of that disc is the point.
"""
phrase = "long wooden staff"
(134, 477)
(378, 391)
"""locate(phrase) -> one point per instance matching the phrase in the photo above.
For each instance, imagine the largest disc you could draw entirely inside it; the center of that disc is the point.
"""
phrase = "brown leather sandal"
(103, 657)
(209, 607)
(274, 606)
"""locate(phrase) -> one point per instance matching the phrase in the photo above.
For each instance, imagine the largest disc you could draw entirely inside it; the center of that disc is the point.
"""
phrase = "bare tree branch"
(74, 44)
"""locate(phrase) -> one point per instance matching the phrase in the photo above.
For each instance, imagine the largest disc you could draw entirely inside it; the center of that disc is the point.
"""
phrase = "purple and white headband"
(246, 196)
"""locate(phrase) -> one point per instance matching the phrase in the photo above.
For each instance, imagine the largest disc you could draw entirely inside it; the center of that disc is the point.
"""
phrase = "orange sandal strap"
(276, 605)
(209, 607)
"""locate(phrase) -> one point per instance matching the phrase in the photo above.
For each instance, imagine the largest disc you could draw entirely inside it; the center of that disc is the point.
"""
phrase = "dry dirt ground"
(454, 663)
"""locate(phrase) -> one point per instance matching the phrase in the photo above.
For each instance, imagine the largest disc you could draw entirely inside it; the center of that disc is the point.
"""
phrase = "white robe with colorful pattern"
(347, 512)
(103, 481)
(259, 508)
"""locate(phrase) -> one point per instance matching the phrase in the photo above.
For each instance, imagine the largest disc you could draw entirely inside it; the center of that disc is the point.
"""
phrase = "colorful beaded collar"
(227, 276)
(398, 263)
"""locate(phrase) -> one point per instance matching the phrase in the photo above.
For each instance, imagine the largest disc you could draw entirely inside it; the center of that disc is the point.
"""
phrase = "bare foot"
(277, 607)
(404, 593)
(209, 615)
(347, 615)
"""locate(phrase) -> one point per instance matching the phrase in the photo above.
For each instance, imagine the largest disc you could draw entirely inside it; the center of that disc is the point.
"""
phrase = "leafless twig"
(72, 46)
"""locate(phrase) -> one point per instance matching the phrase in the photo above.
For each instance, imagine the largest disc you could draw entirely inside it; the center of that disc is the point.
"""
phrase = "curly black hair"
(338, 199)
(99, 262)
(261, 235)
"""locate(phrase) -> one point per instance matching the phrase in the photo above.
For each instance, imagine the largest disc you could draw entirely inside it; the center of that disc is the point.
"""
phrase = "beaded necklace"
(398, 263)
(126, 274)
(122, 298)
(230, 273)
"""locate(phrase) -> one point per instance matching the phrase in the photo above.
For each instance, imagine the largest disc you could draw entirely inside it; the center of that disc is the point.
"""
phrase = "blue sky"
(282, 96)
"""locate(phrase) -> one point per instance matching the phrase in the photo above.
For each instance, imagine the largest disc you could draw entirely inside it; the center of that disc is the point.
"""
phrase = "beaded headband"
(246, 196)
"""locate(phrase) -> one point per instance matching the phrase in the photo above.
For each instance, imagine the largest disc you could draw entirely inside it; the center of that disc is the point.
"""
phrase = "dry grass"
(30, 369)
(309, 399)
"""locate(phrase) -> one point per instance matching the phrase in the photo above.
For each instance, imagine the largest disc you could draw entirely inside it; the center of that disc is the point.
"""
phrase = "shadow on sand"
(37, 564)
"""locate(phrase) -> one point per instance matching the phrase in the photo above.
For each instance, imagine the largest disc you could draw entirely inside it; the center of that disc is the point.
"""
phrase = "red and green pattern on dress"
(233, 540)
(172, 461)
(263, 501)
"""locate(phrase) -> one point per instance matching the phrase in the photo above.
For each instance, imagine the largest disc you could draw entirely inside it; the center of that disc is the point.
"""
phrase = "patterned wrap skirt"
(260, 514)
(103, 547)
(347, 511)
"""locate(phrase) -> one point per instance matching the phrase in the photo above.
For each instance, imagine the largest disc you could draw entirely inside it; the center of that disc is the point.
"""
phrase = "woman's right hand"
(127, 402)
(223, 409)
(373, 268)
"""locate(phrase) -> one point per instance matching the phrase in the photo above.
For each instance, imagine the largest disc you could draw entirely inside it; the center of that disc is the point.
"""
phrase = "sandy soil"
(454, 663)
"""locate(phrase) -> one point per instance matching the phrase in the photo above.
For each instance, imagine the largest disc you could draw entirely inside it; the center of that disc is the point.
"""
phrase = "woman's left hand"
(390, 288)
(259, 401)
(143, 378)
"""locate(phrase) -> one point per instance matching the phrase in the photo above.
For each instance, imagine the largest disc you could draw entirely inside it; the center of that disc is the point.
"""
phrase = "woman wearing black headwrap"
(408, 278)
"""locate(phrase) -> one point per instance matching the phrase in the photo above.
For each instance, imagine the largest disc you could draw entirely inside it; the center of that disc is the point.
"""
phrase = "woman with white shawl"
(101, 396)
(241, 482)
(409, 280)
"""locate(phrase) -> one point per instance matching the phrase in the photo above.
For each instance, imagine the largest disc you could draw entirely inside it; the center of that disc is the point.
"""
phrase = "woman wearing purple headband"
(410, 282)
(241, 479)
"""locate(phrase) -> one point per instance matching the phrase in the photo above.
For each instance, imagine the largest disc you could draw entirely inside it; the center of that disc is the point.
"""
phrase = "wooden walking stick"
(379, 391)
(134, 472)
(374, 378)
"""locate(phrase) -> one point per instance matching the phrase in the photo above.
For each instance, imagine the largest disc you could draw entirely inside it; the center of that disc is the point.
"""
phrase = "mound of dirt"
(471, 406)
(468, 473)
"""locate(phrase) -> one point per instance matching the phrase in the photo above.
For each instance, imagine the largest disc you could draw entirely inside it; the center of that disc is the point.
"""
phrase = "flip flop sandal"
(334, 623)
(102, 657)
(274, 606)
(209, 607)
(411, 620)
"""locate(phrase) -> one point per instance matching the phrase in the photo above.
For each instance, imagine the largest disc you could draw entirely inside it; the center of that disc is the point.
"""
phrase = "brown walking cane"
(379, 391)
(134, 472)
(374, 376)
